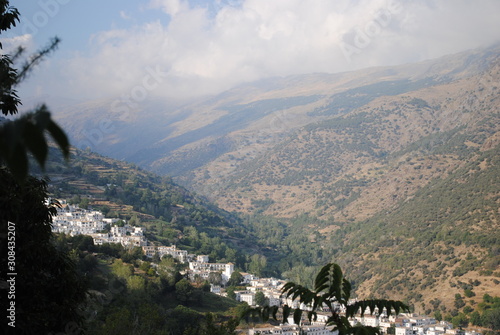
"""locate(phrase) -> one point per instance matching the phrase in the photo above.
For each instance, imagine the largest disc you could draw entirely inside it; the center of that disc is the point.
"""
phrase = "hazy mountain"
(400, 164)
(376, 146)
(202, 143)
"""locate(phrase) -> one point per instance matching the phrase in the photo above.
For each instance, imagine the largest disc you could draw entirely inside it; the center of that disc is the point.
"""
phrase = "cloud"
(124, 15)
(205, 50)
(10, 44)
(170, 7)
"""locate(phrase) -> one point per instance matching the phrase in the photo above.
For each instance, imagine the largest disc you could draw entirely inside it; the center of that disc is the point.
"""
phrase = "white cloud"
(124, 15)
(9, 44)
(171, 7)
(205, 52)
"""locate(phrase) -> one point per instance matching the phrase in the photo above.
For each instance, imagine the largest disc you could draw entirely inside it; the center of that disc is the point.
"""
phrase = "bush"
(468, 293)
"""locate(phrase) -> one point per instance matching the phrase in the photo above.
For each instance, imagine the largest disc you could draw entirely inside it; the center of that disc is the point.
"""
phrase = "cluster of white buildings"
(270, 287)
(201, 267)
(421, 325)
(162, 250)
(73, 220)
(412, 324)
(291, 329)
(404, 324)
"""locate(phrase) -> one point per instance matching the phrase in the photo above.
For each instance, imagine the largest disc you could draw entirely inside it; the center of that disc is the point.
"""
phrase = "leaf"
(265, 313)
(388, 305)
(297, 315)
(35, 142)
(330, 278)
(312, 316)
(60, 137)
(286, 313)
(274, 311)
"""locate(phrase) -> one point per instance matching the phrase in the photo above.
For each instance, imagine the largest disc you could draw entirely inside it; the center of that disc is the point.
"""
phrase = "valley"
(393, 172)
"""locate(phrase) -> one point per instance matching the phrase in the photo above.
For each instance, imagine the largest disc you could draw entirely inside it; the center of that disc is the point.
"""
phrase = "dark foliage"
(48, 292)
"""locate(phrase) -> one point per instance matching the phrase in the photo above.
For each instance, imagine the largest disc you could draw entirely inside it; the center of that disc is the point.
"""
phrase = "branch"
(36, 59)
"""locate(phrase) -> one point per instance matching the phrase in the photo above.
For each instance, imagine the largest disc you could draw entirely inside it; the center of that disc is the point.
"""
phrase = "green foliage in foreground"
(47, 292)
(26, 134)
(331, 289)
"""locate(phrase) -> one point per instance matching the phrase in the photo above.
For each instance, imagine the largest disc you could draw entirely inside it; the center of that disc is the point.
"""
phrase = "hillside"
(170, 213)
(392, 172)
(353, 164)
(202, 143)
(407, 182)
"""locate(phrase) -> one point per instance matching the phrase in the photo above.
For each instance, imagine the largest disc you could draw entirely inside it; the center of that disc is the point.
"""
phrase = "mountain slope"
(184, 140)
(392, 172)
(352, 165)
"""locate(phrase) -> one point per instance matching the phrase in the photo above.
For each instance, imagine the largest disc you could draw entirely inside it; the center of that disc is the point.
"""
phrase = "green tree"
(460, 320)
(48, 291)
(118, 322)
(183, 290)
(168, 272)
(215, 278)
(330, 289)
(260, 299)
(183, 320)
(475, 318)
(230, 292)
(235, 279)
(469, 293)
(257, 264)
(491, 319)
(25, 134)
(212, 325)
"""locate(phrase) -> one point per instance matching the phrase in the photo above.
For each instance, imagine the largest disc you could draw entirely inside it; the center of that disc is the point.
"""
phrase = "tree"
(48, 290)
(168, 272)
(257, 264)
(460, 320)
(333, 291)
(475, 318)
(212, 325)
(235, 279)
(469, 293)
(27, 133)
(491, 319)
(215, 278)
(260, 299)
(183, 290)
(230, 293)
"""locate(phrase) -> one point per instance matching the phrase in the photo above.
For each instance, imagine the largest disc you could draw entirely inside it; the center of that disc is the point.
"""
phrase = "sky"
(180, 49)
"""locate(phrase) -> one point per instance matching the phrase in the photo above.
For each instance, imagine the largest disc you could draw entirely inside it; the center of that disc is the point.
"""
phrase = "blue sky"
(205, 47)
(75, 21)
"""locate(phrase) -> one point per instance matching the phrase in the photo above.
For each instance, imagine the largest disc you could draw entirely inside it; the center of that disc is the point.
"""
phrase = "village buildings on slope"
(72, 220)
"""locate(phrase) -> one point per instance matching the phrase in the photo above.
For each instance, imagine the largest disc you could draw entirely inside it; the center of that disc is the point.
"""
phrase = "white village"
(72, 220)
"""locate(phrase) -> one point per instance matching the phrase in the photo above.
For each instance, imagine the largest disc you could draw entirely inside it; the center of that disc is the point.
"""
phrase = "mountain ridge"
(391, 172)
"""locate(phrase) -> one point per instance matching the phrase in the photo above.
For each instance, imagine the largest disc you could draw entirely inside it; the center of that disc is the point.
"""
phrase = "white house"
(405, 331)
(248, 297)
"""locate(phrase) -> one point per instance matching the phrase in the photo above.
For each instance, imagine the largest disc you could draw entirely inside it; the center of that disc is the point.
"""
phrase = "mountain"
(215, 143)
(375, 150)
(392, 172)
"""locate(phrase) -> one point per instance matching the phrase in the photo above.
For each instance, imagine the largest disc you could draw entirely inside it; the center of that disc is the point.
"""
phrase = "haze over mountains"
(395, 169)
(302, 135)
